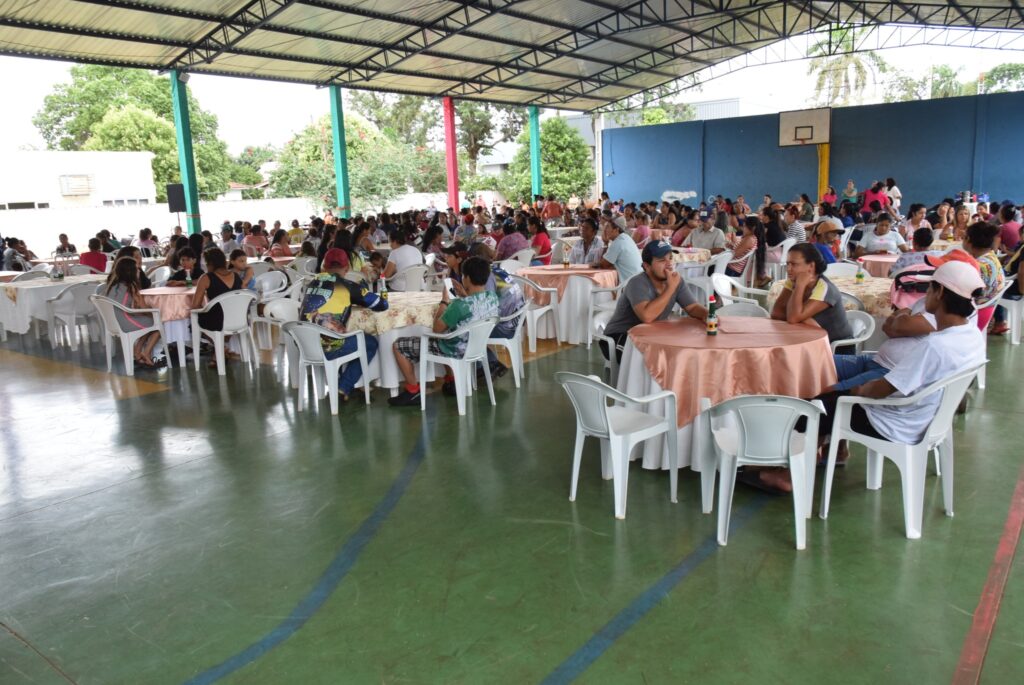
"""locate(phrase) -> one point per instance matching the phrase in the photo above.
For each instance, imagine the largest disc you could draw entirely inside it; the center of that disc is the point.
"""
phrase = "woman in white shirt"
(882, 240)
(401, 258)
(894, 194)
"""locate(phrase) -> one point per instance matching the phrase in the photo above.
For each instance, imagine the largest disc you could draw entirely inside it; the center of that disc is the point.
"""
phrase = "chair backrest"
(953, 389)
(235, 305)
(589, 397)
(844, 241)
(250, 250)
(410, 279)
(429, 259)
(74, 299)
(526, 284)
(784, 248)
(723, 286)
(307, 339)
(304, 265)
(271, 283)
(559, 248)
(764, 424)
(998, 295)
(282, 309)
(720, 261)
(862, 323)
(525, 255)
(511, 266)
(744, 309)
(479, 332)
(105, 306)
(851, 302)
(297, 289)
(260, 268)
(45, 267)
(159, 275)
(841, 270)
(519, 316)
(29, 276)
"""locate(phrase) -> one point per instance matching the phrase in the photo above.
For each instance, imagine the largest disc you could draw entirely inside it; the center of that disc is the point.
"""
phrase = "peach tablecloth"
(873, 292)
(174, 303)
(7, 276)
(404, 309)
(749, 356)
(558, 277)
(878, 265)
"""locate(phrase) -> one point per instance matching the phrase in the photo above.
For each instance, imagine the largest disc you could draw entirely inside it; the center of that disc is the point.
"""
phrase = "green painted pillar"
(340, 153)
(186, 162)
(535, 179)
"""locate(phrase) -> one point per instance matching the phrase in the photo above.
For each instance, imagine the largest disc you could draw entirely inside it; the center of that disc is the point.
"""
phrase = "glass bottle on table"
(712, 321)
(860, 271)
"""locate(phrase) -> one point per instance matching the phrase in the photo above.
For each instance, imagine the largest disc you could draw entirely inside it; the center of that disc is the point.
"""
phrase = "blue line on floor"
(595, 647)
(331, 578)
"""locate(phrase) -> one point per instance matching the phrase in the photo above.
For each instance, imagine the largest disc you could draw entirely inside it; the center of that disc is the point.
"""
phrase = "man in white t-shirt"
(401, 258)
(621, 252)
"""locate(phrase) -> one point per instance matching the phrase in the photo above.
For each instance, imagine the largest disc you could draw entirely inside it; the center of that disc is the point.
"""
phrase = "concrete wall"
(933, 149)
(110, 177)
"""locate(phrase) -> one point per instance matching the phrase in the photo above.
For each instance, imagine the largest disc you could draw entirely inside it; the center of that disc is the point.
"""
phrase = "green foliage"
(429, 174)
(942, 81)
(410, 119)
(255, 156)
(134, 129)
(566, 167)
(379, 168)
(1004, 78)
(72, 110)
(477, 124)
(840, 79)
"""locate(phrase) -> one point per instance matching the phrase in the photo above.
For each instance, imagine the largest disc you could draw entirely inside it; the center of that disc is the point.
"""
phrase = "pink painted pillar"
(451, 158)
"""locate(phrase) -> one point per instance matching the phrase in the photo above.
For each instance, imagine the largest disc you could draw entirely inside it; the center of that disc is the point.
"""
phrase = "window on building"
(76, 184)
(132, 203)
(144, 201)
(43, 205)
(119, 203)
(108, 203)
(21, 205)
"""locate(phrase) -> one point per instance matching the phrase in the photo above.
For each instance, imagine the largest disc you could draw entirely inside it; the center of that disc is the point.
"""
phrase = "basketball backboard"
(805, 127)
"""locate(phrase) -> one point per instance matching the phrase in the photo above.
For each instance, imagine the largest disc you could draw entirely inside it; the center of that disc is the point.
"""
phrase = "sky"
(253, 112)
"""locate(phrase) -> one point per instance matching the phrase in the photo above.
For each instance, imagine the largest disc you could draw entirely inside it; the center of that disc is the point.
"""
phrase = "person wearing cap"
(824, 235)
(327, 301)
(479, 303)
(621, 252)
(650, 296)
(590, 248)
(706, 236)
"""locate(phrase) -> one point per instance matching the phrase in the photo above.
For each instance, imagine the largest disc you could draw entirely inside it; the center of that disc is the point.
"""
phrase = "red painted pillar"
(451, 158)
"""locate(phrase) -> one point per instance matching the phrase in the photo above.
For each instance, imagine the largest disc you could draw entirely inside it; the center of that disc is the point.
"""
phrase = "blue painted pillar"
(340, 153)
(535, 177)
(186, 161)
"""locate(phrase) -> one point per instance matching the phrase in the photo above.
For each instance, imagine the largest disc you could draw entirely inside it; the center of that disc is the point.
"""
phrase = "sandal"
(753, 479)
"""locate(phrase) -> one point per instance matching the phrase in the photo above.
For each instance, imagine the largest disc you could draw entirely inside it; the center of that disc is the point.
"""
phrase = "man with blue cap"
(650, 296)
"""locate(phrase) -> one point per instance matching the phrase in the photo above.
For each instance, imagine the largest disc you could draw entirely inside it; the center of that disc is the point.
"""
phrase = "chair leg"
(620, 482)
(726, 486)
(218, 350)
(830, 472)
(946, 454)
(606, 459)
(798, 475)
(913, 472)
(303, 375)
(423, 380)
(196, 340)
(487, 378)
(331, 376)
(365, 366)
(531, 331)
(181, 353)
(462, 384)
(875, 467)
(129, 355)
(109, 344)
(672, 438)
(577, 457)
(515, 353)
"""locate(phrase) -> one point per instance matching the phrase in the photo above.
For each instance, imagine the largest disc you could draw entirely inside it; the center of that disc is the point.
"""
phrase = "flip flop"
(752, 479)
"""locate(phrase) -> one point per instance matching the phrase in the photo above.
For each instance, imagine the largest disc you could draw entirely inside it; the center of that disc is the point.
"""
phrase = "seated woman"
(750, 244)
(882, 240)
(540, 242)
(256, 240)
(146, 243)
(432, 243)
(979, 242)
(219, 279)
(809, 297)
(280, 246)
(189, 271)
(123, 288)
(239, 263)
(176, 244)
(136, 255)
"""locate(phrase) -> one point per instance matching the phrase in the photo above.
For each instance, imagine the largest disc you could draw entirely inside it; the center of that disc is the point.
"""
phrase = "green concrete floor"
(154, 529)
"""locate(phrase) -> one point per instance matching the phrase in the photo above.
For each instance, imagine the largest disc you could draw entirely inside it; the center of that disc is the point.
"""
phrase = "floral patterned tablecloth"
(873, 292)
(690, 254)
(404, 309)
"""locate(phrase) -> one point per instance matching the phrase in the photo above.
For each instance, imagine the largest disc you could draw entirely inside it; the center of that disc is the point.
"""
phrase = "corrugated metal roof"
(571, 54)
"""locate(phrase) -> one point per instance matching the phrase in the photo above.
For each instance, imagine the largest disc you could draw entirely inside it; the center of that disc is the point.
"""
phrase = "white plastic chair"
(534, 311)
(1014, 316)
(911, 460)
(744, 309)
(112, 329)
(411, 279)
(297, 289)
(511, 266)
(160, 275)
(306, 337)
(594, 307)
(725, 286)
(250, 250)
(841, 270)
(514, 345)
(780, 266)
(463, 367)
(559, 248)
(851, 302)
(844, 241)
(525, 255)
(235, 305)
(271, 285)
(611, 364)
(260, 268)
(757, 430)
(304, 265)
(604, 413)
(863, 325)
(275, 314)
(996, 297)
(82, 270)
(429, 259)
(703, 283)
(30, 276)
(68, 310)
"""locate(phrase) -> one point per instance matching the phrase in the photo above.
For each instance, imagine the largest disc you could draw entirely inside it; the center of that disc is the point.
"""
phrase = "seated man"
(622, 253)
(590, 248)
(327, 302)
(479, 303)
(650, 297)
(707, 236)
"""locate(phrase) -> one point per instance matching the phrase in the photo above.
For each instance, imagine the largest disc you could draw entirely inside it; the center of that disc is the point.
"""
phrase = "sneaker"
(999, 328)
(448, 388)
(405, 399)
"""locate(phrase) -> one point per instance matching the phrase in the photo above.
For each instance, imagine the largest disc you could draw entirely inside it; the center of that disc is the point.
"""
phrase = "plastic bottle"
(712, 320)
(382, 286)
(565, 258)
(860, 271)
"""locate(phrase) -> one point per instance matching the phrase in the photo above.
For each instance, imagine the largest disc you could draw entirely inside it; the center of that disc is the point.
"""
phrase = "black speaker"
(176, 197)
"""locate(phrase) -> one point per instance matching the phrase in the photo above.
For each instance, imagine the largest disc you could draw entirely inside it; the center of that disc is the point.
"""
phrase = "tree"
(566, 167)
(411, 119)
(71, 111)
(135, 129)
(841, 78)
(255, 156)
(429, 173)
(1004, 78)
(379, 168)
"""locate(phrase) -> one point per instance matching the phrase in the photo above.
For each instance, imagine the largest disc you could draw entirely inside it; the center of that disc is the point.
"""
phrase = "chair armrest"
(328, 333)
(443, 336)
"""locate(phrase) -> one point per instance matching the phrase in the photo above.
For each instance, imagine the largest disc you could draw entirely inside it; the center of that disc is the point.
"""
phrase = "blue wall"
(933, 148)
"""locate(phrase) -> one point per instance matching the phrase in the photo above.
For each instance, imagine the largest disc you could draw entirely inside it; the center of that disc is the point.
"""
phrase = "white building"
(58, 179)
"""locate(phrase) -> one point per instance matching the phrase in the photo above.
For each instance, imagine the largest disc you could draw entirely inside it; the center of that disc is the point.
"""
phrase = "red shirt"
(542, 244)
(96, 260)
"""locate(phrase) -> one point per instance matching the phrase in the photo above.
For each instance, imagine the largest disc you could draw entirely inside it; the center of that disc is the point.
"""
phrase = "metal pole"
(186, 161)
(340, 153)
(451, 157)
(535, 175)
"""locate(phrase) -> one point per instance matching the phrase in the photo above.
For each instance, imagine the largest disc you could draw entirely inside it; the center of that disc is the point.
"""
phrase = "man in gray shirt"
(650, 296)
(707, 236)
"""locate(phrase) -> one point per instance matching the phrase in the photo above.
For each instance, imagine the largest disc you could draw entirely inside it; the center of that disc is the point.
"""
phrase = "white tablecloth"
(26, 300)
(572, 312)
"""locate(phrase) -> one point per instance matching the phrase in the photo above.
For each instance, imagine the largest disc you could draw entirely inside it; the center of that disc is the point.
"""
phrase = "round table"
(946, 245)
(23, 301)
(748, 356)
(575, 286)
(878, 265)
(873, 292)
(175, 305)
(687, 255)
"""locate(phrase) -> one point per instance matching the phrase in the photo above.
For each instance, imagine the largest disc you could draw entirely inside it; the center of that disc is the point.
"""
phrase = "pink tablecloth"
(749, 356)
(558, 277)
(174, 303)
(879, 265)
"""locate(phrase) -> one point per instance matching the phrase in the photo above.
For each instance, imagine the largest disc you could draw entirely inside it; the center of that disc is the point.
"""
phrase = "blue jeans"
(856, 369)
(349, 374)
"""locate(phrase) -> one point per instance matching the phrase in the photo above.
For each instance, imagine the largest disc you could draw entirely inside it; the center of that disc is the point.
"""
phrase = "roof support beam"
(230, 32)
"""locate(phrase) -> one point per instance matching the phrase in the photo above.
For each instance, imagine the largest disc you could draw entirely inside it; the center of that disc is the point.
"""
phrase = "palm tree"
(842, 73)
